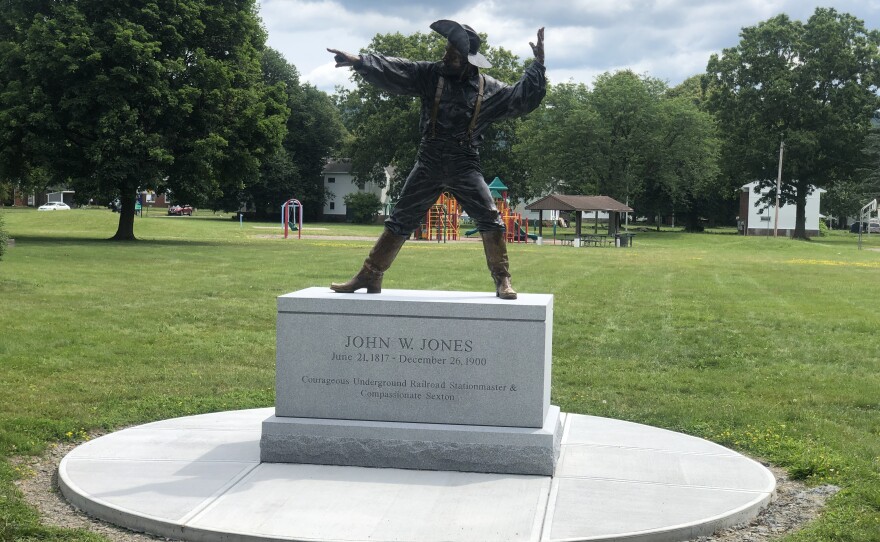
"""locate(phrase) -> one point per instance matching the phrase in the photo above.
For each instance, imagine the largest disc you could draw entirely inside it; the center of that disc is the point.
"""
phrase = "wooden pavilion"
(579, 205)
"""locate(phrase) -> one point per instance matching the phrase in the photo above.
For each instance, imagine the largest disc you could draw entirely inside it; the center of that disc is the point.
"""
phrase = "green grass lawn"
(769, 346)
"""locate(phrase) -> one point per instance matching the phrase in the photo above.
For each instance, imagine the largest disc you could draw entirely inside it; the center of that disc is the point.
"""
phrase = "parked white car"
(54, 206)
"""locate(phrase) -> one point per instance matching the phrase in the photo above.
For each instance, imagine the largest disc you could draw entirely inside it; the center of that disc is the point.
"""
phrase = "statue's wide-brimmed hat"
(463, 38)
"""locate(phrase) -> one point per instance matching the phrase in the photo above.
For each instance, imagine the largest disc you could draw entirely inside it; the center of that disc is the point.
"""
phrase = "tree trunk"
(692, 222)
(125, 229)
(800, 216)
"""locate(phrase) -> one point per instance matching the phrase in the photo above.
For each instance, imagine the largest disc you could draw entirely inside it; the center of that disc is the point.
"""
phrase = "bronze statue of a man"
(458, 103)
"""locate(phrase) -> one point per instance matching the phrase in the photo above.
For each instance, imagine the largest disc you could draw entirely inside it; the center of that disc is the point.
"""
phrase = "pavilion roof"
(562, 202)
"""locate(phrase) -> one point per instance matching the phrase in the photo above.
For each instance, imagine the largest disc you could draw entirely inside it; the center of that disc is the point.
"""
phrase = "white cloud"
(667, 39)
(325, 17)
(328, 76)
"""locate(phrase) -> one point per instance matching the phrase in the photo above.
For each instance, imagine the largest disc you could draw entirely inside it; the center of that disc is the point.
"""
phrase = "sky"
(666, 39)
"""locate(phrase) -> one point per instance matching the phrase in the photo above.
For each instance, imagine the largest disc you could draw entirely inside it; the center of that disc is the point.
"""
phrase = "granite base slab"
(419, 356)
(421, 446)
(199, 479)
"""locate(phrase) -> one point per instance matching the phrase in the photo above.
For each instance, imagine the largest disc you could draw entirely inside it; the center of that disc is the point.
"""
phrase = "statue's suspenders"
(436, 106)
(476, 109)
(479, 102)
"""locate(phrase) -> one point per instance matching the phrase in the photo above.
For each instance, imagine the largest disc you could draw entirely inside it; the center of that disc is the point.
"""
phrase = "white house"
(339, 182)
(532, 216)
(760, 218)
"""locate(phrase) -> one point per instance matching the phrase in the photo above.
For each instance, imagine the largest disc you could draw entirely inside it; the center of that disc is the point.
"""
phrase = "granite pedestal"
(423, 380)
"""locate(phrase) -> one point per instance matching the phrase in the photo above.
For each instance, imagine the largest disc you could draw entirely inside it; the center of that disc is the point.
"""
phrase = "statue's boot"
(496, 258)
(378, 261)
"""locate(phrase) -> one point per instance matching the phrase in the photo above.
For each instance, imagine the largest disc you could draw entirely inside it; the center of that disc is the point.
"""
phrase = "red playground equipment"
(516, 228)
(441, 220)
(297, 215)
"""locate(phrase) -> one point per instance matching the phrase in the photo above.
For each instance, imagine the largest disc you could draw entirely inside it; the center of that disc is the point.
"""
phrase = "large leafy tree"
(626, 138)
(810, 85)
(559, 143)
(681, 176)
(385, 128)
(846, 197)
(314, 130)
(109, 97)
(867, 186)
(626, 105)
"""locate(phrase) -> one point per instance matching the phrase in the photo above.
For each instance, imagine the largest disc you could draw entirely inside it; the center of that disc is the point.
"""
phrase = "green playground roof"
(496, 184)
(496, 187)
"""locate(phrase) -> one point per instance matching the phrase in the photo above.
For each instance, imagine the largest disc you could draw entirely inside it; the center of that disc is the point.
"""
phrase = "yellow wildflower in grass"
(834, 263)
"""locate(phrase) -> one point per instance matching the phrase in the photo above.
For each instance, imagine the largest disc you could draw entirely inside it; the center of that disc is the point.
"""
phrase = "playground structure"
(441, 220)
(298, 216)
(516, 228)
(865, 217)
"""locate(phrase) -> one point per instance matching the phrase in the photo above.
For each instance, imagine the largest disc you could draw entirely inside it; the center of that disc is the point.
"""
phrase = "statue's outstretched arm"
(343, 59)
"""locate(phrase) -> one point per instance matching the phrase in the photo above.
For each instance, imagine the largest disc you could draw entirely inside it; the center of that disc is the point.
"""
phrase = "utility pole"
(778, 189)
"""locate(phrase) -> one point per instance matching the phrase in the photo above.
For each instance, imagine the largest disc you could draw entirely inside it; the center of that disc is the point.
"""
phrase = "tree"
(869, 186)
(626, 139)
(847, 196)
(313, 130)
(693, 89)
(385, 128)
(681, 174)
(626, 107)
(6, 190)
(110, 97)
(560, 143)
(716, 196)
(363, 206)
(812, 86)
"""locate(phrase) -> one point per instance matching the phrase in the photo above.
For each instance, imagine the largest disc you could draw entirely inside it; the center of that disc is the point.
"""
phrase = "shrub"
(362, 206)
(823, 228)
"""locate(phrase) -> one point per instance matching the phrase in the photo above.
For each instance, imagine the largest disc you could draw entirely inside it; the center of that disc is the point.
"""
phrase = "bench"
(595, 240)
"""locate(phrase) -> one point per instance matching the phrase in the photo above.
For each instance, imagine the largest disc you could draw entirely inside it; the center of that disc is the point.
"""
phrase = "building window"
(331, 180)
(332, 205)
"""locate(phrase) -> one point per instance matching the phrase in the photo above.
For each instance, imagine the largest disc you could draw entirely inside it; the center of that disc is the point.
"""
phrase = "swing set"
(297, 211)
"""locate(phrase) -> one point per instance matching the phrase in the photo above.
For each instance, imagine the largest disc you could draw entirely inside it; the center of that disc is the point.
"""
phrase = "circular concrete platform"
(199, 478)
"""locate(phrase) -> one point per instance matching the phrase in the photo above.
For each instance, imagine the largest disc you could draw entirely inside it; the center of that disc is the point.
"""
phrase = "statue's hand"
(343, 59)
(538, 50)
